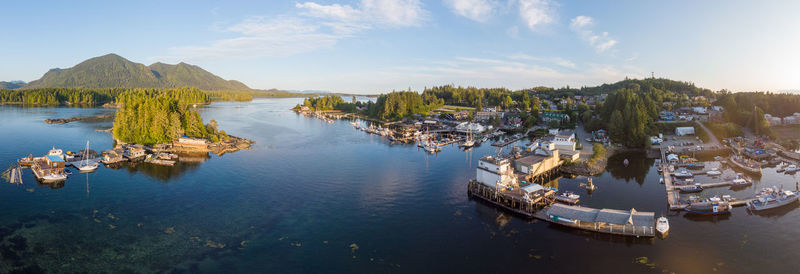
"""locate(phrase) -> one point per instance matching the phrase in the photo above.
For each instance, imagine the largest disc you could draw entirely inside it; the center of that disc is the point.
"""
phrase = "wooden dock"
(508, 141)
(673, 195)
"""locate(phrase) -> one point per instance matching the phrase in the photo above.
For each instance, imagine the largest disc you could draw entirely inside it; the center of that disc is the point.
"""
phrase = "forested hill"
(112, 71)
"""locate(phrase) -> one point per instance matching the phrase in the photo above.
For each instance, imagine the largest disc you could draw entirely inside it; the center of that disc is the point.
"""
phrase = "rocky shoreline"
(73, 119)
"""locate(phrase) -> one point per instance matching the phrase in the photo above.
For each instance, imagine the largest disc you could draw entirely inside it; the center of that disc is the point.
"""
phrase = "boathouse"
(621, 222)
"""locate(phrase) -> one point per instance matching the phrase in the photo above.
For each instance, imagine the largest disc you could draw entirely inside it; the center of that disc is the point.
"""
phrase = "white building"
(494, 172)
(682, 131)
(467, 127)
(564, 140)
(773, 121)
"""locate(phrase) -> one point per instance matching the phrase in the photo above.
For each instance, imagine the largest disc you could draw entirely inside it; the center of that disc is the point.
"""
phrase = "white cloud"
(394, 12)
(583, 26)
(536, 13)
(477, 10)
(334, 11)
(552, 60)
(314, 27)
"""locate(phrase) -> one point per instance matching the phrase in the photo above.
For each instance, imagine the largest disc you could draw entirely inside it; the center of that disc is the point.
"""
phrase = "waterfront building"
(496, 172)
(543, 158)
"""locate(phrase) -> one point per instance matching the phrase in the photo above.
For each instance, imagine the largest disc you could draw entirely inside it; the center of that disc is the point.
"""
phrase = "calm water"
(317, 197)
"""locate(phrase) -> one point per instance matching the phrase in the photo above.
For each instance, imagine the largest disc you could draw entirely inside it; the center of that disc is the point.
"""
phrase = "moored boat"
(710, 206)
(772, 198)
(714, 172)
(683, 174)
(691, 188)
(662, 226)
(568, 197)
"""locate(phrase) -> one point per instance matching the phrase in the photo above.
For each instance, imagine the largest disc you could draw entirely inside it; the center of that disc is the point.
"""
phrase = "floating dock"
(610, 221)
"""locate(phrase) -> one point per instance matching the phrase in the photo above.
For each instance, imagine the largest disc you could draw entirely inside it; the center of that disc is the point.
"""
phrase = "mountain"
(11, 85)
(111, 70)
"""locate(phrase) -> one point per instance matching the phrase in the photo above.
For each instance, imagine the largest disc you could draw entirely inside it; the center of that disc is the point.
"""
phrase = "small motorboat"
(625, 162)
(790, 169)
(683, 174)
(662, 225)
(714, 172)
(691, 188)
(568, 198)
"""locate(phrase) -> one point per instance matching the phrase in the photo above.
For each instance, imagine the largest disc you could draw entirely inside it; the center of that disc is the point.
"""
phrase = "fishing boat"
(714, 172)
(744, 164)
(710, 206)
(790, 169)
(772, 198)
(568, 197)
(85, 165)
(691, 188)
(662, 226)
(683, 174)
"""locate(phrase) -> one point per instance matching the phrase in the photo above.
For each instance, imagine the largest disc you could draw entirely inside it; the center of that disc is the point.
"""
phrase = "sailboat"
(469, 142)
(85, 165)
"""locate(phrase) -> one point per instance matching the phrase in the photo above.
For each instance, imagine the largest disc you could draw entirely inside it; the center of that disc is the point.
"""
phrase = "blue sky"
(371, 46)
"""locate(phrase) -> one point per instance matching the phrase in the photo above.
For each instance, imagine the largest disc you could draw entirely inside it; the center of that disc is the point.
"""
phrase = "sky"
(375, 46)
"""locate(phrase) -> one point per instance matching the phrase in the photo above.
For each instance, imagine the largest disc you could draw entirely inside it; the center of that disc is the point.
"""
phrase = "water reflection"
(638, 166)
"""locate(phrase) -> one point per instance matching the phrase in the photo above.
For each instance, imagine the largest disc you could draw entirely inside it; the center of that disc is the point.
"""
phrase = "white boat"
(86, 165)
(662, 225)
(56, 152)
(714, 172)
(772, 198)
(790, 169)
(625, 162)
(683, 174)
(568, 197)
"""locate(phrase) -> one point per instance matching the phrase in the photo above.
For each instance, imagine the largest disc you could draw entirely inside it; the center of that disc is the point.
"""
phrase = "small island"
(165, 121)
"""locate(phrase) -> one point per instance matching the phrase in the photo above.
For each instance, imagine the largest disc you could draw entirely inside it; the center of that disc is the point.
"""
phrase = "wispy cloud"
(516, 71)
(536, 13)
(584, 27)
(313, 27)
(477, 10)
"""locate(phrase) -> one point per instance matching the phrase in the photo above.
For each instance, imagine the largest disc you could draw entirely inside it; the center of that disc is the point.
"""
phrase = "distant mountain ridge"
(11, 84)
(111, 70)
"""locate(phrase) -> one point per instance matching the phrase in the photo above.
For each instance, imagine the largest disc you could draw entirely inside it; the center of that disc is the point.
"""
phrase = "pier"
(610, 221)
(673, 190)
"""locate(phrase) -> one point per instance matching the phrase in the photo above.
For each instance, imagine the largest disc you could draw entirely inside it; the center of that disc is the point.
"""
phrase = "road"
(714, 141)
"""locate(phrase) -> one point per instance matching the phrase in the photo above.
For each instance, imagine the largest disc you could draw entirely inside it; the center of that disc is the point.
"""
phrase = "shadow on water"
(638, 166)
(602, 237)
(707, 218)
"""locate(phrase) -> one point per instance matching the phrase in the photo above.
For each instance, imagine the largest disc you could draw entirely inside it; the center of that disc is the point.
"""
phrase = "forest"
(747, 109)
(95, 96)
(151, 116)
